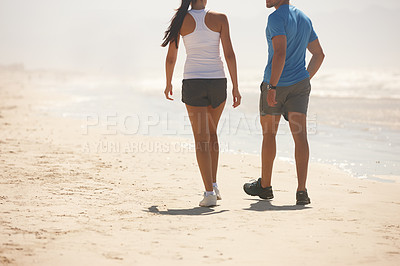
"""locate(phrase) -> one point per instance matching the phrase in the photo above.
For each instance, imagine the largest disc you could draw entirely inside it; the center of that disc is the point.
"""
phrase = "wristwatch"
(270, 87)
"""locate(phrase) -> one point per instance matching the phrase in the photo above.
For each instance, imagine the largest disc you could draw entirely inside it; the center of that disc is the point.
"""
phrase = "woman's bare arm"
(230, 58)
(170, 62)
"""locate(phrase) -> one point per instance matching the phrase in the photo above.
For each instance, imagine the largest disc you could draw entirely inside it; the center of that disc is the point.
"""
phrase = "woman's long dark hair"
(171, 35)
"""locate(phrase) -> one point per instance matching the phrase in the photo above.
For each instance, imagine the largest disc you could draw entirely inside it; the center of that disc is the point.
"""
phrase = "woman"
(204, 85)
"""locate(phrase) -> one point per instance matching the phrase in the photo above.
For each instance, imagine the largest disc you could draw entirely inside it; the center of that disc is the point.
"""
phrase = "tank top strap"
(199, 17)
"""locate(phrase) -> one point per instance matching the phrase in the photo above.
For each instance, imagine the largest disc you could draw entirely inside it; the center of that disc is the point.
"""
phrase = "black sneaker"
(255, 189)
(302, 198)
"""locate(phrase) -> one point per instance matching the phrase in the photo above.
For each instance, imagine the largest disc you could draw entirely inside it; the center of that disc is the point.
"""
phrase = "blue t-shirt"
(297, 27)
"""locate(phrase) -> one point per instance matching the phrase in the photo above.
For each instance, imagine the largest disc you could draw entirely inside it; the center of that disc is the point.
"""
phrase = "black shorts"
(204, 92)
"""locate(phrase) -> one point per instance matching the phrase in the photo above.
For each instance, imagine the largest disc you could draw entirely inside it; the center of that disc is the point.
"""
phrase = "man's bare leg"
(269, 125)
(298, 126)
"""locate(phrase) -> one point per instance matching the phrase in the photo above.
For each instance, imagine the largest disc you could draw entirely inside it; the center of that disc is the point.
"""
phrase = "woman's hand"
(237, 98)
(168, 92)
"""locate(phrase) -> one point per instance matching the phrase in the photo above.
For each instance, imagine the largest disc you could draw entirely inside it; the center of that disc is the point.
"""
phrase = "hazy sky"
(124, 36)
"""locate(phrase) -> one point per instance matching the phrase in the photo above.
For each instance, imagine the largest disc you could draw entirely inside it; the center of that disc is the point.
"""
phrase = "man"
(285, 91)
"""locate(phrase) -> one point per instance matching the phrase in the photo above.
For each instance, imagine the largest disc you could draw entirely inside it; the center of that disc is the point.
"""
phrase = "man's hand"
(168, 92)
(271, 98)
(237, 98)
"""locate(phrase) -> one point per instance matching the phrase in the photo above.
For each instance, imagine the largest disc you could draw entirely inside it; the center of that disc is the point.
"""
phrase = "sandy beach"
(71, 197)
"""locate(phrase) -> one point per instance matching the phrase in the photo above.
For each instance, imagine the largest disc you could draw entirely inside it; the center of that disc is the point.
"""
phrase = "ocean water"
(353, 119)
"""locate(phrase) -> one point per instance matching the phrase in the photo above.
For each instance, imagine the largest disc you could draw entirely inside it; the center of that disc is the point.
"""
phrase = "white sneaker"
(216, 190)
(208, 201)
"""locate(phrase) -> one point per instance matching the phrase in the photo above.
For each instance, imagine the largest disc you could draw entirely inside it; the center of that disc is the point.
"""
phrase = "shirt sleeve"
(276, 26)
(313, 35)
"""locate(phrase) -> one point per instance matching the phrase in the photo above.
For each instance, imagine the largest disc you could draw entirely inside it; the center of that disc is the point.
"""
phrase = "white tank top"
(203, 59)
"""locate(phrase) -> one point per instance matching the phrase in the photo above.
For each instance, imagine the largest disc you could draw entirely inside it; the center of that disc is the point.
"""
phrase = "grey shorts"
(204, 92)
(293, 98)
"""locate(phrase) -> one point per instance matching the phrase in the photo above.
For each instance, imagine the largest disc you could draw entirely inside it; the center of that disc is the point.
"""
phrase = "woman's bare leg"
(214, 115)
(199, 119)
(204, 122)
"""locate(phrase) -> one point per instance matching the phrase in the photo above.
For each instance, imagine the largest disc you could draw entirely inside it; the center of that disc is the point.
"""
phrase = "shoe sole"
(269, 198)
(303, 203)
(213, 205)
(251, 194)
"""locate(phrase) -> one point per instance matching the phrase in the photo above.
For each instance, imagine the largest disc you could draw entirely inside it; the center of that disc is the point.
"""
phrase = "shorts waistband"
(306, 80)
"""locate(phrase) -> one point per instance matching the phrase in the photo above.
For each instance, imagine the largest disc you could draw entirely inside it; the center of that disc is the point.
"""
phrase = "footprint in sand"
(112, 256)
(393, 253)
(354, 192)
(6, 261)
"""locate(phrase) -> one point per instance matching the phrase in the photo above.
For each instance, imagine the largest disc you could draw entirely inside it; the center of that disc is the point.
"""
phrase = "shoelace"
(254, 183)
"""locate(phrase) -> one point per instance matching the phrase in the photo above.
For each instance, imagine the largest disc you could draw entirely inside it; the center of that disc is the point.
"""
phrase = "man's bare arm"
(317, 57)
(278, 60)
(278, 63)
